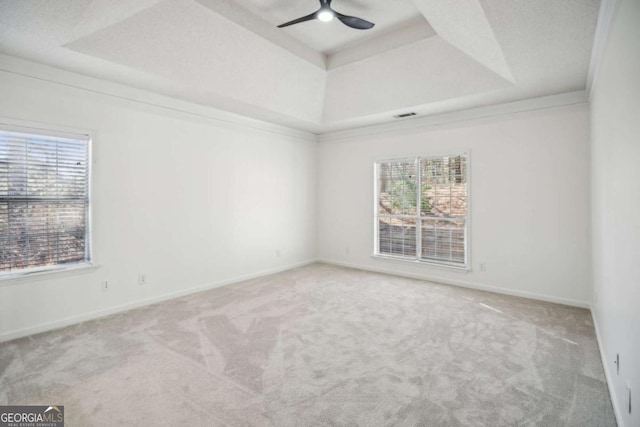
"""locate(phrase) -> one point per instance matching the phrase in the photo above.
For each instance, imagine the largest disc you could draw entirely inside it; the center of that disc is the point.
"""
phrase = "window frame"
(466, 267)
(51, 271)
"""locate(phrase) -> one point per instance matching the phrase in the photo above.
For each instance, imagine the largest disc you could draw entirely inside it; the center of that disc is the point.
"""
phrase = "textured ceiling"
(332, 36)
(427, 56)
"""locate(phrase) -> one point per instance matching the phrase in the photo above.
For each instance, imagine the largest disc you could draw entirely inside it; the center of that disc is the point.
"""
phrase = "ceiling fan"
(326, 14)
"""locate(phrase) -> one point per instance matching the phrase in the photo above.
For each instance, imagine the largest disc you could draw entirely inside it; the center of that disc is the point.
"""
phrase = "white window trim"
(55, 271)
(437, 265)
(417, 261)
(48, 273)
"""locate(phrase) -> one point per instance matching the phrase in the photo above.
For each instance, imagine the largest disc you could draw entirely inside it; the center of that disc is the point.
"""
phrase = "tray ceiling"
(427, 56)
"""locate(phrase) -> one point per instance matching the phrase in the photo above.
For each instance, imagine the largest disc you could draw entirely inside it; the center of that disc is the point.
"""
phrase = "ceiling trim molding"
(37, 71)
(606, 17)
(478, 113)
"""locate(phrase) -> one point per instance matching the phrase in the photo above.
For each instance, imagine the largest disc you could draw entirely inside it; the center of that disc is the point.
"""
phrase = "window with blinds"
(44, 201)
(421, 209)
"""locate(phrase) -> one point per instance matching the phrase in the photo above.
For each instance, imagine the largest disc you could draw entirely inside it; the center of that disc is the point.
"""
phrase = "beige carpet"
(320, 345)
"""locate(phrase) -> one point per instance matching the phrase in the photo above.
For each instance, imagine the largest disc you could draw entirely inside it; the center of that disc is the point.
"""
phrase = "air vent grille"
(402, 116)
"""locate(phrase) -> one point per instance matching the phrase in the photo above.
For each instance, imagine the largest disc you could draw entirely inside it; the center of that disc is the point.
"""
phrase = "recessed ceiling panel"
(408, 32)
(331, 36)
(185, 42)
(103, 13)
(464, 25)
(424, 72)
(229, 54)
(547, 43)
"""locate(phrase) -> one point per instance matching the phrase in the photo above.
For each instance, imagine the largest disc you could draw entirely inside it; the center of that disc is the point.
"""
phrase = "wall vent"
(402, 116)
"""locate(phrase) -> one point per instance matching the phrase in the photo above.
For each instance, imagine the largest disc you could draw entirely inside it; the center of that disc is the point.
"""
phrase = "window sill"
(49, 274)
(446, 267)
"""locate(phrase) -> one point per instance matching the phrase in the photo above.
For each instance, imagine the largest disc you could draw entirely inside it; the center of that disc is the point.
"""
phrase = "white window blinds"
(44, 201)
(421, 209)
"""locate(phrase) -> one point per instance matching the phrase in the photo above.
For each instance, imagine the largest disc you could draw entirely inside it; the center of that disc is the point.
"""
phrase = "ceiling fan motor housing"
(325, 14)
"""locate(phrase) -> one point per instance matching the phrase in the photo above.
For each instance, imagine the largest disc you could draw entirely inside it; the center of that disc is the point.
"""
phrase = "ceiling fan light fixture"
(326, 15)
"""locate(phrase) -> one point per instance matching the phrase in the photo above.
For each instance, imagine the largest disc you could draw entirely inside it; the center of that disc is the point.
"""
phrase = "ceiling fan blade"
(353, 22)
(299, 20)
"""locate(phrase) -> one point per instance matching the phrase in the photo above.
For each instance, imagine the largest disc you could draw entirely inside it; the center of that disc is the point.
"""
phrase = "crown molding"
(478, 113)
(606, 17)
(44, 73)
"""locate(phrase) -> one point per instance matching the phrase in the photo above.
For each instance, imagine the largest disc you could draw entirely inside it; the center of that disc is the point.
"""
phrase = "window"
(421, 209)
(44, 200)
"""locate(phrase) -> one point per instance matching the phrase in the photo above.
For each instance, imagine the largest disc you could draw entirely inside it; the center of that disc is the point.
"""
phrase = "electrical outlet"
(347, 250)
(142, 279)
(483, 266)
(105, 285)
(278, 253)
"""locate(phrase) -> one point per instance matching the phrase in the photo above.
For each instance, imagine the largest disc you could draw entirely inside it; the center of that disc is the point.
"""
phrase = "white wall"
(529, 200)
(615, 145)
(187, 200)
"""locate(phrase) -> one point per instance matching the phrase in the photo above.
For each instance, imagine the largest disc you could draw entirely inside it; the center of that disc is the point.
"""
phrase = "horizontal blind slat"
(439, 222)
(44, 191)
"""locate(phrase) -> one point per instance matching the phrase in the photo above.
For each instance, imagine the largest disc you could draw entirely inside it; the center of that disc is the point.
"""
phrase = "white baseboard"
(607, 374)
(464, 284)
(61, 323)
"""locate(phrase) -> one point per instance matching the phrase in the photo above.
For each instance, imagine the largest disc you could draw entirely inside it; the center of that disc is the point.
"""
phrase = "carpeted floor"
(320, 345)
